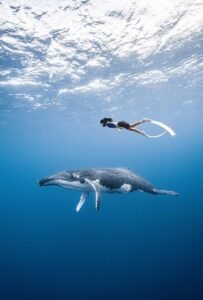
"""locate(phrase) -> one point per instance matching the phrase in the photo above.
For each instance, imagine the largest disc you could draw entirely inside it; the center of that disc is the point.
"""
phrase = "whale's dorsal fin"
(96, 189)
(83, 197)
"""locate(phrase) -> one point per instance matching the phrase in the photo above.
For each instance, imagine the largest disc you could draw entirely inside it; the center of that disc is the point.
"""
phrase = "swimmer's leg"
(139, 122)
(137, 131)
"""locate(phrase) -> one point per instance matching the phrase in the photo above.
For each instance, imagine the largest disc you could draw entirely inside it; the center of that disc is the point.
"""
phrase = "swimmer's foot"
(146, 120)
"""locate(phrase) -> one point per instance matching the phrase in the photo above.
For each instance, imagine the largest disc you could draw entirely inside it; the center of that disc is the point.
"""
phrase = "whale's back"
(115, 178)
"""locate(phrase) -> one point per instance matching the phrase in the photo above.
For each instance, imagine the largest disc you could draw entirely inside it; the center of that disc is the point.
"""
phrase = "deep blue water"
(64, 65)
(138, 246)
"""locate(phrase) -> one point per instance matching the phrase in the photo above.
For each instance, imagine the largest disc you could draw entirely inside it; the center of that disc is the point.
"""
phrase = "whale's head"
(67, 179)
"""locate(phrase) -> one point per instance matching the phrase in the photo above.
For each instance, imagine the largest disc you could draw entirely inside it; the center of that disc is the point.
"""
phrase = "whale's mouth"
(45, 181)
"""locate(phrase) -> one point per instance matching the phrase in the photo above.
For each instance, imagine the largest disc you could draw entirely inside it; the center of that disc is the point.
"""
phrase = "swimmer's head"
(105, 120)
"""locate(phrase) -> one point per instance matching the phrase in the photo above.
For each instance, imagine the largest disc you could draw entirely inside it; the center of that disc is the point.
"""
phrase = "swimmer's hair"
(104, 120)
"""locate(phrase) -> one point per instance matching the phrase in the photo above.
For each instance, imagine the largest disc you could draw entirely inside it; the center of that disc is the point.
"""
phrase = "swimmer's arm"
(118, 128)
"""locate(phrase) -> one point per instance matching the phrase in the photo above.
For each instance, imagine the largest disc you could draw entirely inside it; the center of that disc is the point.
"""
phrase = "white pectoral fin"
(96, 189)
(83, 197)
(97, 200)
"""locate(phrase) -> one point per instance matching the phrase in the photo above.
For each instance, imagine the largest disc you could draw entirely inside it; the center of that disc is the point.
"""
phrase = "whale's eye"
(82, 180)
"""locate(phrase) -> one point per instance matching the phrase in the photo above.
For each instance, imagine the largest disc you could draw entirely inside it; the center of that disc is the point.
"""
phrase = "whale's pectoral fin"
(98, 200)
(164, 192)
(83, 197)
(96, 189)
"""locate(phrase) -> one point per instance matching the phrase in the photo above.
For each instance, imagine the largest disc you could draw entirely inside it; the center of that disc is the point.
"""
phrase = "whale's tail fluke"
(164, 192)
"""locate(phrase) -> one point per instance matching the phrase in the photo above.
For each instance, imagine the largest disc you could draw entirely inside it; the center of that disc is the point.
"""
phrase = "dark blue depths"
(138, 246)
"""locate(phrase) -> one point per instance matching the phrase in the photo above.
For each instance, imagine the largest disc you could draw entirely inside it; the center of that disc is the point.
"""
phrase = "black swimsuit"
(123, 124)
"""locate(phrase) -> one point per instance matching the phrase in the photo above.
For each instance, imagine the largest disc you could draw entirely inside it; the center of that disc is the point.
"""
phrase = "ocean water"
(63, 68)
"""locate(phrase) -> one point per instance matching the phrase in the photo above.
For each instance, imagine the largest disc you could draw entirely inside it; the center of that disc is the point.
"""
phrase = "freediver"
(108, 122)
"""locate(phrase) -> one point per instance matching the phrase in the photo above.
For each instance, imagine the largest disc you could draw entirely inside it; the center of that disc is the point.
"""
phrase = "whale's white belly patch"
(125, 188)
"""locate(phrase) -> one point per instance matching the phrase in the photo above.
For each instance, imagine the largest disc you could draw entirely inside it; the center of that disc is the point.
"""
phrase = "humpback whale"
(109, 180)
